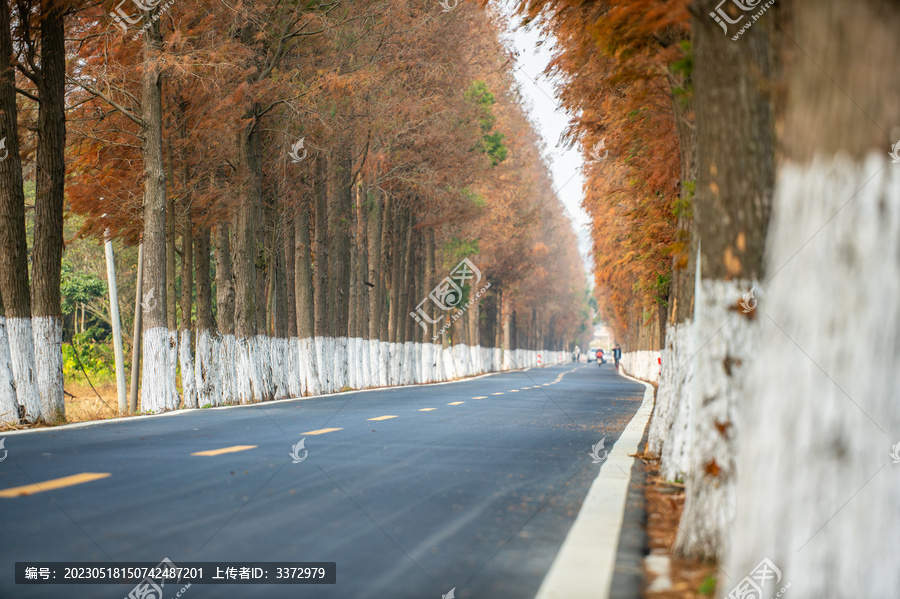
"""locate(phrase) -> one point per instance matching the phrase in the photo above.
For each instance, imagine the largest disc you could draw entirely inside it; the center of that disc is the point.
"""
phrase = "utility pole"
(116, 325)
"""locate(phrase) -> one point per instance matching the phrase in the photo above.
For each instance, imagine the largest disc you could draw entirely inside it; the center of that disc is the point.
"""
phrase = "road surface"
(412, 491)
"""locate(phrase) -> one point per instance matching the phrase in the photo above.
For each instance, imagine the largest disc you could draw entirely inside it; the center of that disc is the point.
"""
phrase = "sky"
(541, 103)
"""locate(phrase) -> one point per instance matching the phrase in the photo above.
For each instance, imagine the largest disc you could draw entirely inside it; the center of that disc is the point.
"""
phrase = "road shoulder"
(586, 562)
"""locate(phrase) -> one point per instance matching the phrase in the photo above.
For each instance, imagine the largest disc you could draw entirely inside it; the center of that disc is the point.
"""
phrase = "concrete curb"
(584, 566)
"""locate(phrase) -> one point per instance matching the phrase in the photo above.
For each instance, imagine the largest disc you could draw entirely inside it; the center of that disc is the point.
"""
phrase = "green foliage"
(79, 287)
(661, 288)
(708, 586)
(477, 200)
(682, 207)
(491, 143)
(683, 69)
(455, 249)
(479, 95)
(97, 358)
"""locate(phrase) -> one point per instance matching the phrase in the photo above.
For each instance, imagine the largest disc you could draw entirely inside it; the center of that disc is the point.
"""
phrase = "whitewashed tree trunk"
(207, 372)
(188, 386)
(279, 362)
(244, 371)
(9, 403)
(228, 368)
(325, 362)
(48, 362)
(156, 381)
(21, 347)
(437, 363)
(449, 363)
(818, 493)
(728, 338)
(309, 365)
(173, 401)
(409, 364)
(366, 363)
(670, 430)
(297, 378)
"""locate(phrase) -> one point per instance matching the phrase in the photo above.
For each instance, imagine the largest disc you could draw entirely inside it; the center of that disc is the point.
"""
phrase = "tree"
(818, 412)
(735, 153)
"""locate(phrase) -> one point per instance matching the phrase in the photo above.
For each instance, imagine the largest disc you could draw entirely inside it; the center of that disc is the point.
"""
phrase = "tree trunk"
(322, 343)
(171, 290)
(397, 236)
(225, 315)
(50, 175)
(818, 416)
(247, 367)
(289, 244)
(297, 377)
(304, 290)
(321, 241)
(188, 383)
(735, 176)
(206, 372)
(375, 277)
(137, 334)
(155, 389)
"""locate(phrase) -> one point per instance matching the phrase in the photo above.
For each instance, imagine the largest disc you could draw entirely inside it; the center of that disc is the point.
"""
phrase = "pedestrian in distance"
(617, 355)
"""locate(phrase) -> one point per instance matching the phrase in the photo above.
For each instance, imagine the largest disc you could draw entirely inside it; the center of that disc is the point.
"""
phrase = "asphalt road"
(470, 485)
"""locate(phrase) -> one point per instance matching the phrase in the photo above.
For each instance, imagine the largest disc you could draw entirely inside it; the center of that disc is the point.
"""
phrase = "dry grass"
(82, 404)
(85, 405)
(691, 579)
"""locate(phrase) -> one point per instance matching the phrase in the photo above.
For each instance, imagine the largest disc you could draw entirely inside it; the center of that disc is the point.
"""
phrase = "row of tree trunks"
(33, 338)
(285, 299)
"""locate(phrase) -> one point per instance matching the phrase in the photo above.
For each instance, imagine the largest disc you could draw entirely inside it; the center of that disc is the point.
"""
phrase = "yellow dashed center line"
(427, 409)
(455, 403)
(480, 397)
(225, 450)
(56, 483)
(383, 418)
(322, 431)
(500, 393)
(513, 390)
